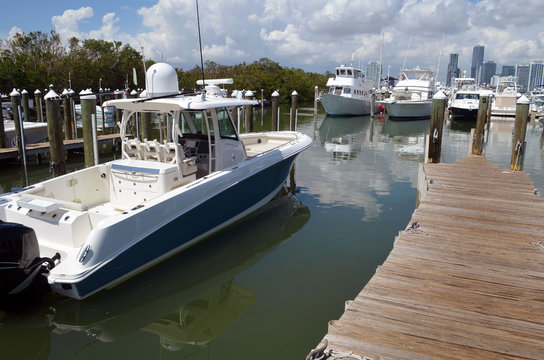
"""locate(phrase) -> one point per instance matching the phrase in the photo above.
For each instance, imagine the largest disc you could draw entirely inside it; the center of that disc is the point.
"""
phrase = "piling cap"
(143, 94)
(523, 100)
(51, 95)
(14, 93)
(86, 95)
(161, 79)
(24, 92)
(440, 96)
(249, 93)
(37, 92)
(133, 93)
(72, 92)
(294, 93)
(65, 92)
(276, 93)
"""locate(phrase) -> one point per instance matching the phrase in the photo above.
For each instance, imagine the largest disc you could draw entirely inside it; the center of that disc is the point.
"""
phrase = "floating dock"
(464, 280)
(43, 147)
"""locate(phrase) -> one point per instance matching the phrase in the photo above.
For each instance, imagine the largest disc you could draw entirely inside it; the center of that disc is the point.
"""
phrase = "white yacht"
(465, 102)
(348, 93)
(505, 98)
(93, 228)
(412, 96)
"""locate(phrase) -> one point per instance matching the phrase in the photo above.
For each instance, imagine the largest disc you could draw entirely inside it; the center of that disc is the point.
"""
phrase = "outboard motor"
(20, 261)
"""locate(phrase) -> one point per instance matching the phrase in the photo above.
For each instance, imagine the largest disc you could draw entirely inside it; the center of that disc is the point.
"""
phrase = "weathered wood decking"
(465, 279)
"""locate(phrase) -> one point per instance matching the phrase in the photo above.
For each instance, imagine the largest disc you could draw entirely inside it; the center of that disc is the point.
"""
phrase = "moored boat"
(348, 93)
(113, 220)
(465, 103)
(505, 98)
(411, 97)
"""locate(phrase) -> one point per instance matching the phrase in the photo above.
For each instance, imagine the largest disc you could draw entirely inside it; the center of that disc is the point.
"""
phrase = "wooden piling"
(67, 111)
(520, 128)
(275, 106)
(54, 132)
(88, 108)
(16, 107)
(437, 121)
(248, 112)
(477, 141)
(294, 101)
(145, 125)
(26, 108)
(38, 105)
(372, 104)
(118, 114)
(73, 124)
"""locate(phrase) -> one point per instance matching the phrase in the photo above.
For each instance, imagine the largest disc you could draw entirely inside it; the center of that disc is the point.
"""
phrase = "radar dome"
(160, 80)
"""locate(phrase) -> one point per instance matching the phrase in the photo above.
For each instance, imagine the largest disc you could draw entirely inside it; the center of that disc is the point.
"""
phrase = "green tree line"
(37, 60)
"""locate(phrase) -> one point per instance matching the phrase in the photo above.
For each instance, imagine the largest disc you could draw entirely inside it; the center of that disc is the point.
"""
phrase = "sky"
(315, 35)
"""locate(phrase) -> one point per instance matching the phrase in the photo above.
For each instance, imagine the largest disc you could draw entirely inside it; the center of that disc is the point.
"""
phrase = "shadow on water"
(186, 301)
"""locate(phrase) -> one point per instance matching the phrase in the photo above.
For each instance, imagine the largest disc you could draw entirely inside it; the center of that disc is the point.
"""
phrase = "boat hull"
(408, 109)
(336, 105)
(34, 132)
(211, 215)
(458, 113)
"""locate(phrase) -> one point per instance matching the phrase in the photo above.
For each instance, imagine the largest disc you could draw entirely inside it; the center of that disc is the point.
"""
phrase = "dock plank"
(465, 279)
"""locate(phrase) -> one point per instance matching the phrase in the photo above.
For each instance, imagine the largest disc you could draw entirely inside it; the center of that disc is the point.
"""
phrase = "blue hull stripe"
(190, 225)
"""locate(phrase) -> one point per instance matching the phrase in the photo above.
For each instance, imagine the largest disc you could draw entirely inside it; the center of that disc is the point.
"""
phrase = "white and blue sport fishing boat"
(93, 228)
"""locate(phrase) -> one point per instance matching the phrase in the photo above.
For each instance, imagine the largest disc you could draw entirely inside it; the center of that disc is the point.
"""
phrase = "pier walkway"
(464, 280)
(43, 147)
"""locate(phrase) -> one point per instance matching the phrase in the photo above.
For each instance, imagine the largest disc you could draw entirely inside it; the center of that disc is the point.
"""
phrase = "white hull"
(337, 105)
(34, 132)
(408, 108)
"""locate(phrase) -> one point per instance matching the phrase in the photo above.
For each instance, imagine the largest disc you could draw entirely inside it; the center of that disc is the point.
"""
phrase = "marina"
(351, 203)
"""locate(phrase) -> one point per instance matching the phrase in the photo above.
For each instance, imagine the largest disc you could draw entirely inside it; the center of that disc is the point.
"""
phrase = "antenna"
(406, 55)
(200, 42)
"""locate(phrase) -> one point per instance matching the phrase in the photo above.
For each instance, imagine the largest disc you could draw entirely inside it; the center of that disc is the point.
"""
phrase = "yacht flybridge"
(93, 228)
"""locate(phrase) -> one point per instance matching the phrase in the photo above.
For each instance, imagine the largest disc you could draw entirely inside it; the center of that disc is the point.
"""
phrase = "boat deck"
(464, 280)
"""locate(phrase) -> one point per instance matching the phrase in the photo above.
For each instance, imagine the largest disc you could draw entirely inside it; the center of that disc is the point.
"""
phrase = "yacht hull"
(409, 109)
(337, 105)
(459, 113)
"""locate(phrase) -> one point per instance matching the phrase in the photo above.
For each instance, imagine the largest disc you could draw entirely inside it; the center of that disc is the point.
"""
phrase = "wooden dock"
(43, 148)
(465, 279)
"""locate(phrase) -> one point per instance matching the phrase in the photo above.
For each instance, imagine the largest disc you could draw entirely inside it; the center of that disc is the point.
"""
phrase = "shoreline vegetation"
(37, 60)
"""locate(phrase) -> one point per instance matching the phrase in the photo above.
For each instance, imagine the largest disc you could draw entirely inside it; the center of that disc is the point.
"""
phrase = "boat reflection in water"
(343, 136)
(187, 301)
(408, 138)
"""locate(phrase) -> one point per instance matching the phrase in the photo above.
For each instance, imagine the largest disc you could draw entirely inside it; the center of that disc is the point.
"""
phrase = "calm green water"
(267, 287)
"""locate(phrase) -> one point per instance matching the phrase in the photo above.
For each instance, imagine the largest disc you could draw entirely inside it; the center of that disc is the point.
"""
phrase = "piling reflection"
(407, 137)
(186, 301)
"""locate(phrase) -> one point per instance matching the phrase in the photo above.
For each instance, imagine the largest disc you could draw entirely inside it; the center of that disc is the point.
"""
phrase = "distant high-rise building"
(536, 72)
(477, 61)
(373, 74)
(488, 69)
(453, 69)
(508, 70)
(522, 73)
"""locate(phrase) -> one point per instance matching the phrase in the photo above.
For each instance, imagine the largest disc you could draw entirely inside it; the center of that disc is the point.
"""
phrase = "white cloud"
(108, 31)
(14, 31)
(67, 24)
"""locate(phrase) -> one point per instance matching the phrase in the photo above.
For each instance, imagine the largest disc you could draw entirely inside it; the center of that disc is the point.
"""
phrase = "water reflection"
(343, 136)
(407, 137)
(185, 302)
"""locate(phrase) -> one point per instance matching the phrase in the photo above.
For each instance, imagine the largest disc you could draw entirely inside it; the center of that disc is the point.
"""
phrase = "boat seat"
(187, 165)
(132, 148)
(151, 150)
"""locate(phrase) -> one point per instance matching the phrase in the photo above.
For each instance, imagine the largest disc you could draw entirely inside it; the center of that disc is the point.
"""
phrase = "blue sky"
(313, 35)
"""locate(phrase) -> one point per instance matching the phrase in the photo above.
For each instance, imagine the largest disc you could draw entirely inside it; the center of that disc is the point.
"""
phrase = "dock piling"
(520, 127)
(15, 107)
(88, 107)
(67, 114)
(26, 108)
(477, 141)
(294, 101)
(437, 121)
(275, 108)
(38, 105)
(54, 132)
